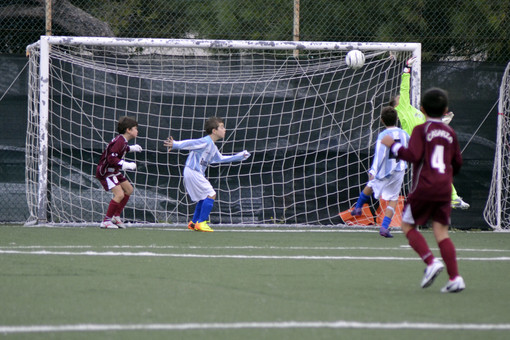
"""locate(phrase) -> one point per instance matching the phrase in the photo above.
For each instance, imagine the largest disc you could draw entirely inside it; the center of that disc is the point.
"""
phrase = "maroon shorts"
(419, 212)
(110, 181)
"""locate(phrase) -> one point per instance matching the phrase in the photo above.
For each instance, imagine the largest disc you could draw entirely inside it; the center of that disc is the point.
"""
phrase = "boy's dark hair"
(435, 102)
(389, 116)
(212, 123)
(126, 123)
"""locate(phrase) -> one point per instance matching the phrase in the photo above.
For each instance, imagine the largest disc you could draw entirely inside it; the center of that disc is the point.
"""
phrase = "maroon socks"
(419, 244)
(113, 207)
(449, 256)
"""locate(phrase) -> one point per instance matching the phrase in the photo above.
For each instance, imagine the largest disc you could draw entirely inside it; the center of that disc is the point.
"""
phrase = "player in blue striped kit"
(387, 173)
(203, 152)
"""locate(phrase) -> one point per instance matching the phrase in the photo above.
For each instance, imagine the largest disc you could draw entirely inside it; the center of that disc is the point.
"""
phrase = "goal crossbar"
(232, 44)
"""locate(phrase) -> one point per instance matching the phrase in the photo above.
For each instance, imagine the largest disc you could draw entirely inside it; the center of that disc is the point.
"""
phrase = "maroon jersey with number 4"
(435, 154)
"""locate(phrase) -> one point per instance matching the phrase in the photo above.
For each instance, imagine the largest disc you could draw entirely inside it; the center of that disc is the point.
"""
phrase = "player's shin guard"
(207, 206)
(196, 214)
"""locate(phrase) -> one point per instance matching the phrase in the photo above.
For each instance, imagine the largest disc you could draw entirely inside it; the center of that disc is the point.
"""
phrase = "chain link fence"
(448, 29)
(12, 184)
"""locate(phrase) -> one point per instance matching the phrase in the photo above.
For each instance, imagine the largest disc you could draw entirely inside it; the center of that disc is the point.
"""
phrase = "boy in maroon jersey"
(435, 154)
(108, 171)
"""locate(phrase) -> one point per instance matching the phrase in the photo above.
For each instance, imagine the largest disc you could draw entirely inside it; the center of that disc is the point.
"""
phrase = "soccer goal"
(497, 209)
(309, 121)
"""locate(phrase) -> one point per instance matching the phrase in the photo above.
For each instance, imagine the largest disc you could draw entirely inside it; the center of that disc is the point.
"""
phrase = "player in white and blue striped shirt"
(387, 173)
(203, 152)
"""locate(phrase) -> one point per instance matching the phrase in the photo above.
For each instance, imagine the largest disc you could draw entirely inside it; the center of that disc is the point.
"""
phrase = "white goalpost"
(497, 209)
(309, 121)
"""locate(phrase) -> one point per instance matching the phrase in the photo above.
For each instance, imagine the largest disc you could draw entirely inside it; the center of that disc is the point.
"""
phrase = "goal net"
(497, 209)
(308, 120)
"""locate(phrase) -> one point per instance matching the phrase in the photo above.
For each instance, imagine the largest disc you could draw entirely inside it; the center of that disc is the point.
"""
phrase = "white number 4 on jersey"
(437, 160)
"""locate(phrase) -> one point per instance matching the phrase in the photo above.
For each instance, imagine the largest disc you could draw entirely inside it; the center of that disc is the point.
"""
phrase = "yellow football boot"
(191, 225)
(203, 226)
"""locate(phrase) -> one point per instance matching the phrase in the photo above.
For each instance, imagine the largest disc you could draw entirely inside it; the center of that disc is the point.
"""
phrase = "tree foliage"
(448, 29)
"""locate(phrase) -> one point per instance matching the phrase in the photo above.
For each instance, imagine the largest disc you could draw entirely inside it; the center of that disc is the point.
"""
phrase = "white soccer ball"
(355, 59)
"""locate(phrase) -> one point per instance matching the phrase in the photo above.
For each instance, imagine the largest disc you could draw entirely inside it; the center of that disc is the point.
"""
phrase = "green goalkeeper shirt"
(408, 115)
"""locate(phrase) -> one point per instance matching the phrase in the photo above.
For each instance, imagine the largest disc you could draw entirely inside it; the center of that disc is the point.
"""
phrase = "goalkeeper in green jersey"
(409, 117)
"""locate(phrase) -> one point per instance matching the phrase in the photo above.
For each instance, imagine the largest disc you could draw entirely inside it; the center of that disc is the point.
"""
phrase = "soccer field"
(244, 283)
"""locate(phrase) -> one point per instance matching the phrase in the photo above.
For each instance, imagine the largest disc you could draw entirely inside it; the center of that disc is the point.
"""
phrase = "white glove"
(409, 64)
(127, 165)
(135, 148)
(447, 117)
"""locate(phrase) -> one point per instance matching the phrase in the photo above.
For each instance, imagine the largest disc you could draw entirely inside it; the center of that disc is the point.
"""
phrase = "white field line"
(278, 230)
(152, 246)
(225, 256)
(285, 229)
(252, 325)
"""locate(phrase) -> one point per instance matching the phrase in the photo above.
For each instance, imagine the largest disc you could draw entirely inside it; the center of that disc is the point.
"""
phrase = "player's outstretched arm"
(409, 65)
(246, 154)
(240, 156)
(169, 143)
